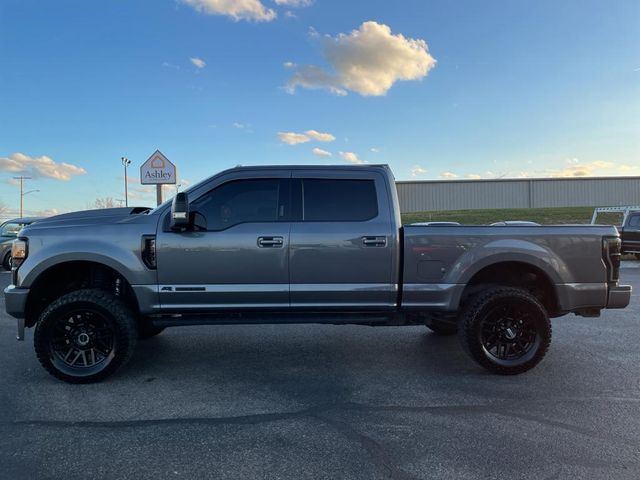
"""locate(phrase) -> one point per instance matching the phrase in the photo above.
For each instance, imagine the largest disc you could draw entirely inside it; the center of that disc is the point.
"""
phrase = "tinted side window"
(634, 221)
(339, 200)
(239, 201)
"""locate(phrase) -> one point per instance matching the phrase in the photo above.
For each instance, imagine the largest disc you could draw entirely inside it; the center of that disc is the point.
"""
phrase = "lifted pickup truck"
(299, 245)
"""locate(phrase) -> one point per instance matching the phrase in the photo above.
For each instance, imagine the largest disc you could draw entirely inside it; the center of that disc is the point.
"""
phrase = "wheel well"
(515, 274)
(70, 276)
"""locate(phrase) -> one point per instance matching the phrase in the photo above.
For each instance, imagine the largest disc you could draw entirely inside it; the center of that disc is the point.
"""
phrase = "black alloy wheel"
(85, 335)
(82, 339)
(506, 330)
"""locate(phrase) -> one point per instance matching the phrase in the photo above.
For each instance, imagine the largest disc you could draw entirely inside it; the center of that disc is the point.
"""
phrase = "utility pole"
(125, 163)
(22, 179)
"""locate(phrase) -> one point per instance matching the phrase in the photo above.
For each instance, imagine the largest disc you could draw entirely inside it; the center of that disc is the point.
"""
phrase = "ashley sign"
(157, 170)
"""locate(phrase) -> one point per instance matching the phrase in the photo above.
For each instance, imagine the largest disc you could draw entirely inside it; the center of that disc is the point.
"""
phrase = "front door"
(238, 258)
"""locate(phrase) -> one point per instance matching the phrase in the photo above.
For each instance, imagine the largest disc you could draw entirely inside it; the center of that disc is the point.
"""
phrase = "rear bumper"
(619, 297)
(15, 300)
(574, 297)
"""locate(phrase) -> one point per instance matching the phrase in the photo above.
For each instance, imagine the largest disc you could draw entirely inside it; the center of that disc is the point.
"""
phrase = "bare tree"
(106, 202)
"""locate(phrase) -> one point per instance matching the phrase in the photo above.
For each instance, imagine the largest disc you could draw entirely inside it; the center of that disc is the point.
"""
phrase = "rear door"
(342, 243)
(631, 233)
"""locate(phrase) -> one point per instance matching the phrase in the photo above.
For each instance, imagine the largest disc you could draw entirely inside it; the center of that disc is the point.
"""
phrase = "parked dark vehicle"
(630, 234)
(299, 245)
(629, 226)
(8, 233)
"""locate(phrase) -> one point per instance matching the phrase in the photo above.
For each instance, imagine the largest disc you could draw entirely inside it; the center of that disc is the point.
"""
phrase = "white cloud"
(574, 168)
(289, 65)
(448, 175)
(375, 149)
(170, 65)
(294, 3)
(368, 61)
(319, 136)
(250, 10)
(417, 170)
(38, 167)
(628, 168)
(198, 62)
(313, 77)
(351, 157)
(319, 152)
(14, 212)
(292, 138)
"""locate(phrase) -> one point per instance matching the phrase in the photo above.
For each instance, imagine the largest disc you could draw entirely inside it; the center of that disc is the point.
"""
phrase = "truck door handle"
(374, 241)
(270, 242)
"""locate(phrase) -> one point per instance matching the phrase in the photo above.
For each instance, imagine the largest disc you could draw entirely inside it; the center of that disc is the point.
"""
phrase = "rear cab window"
(338, 200)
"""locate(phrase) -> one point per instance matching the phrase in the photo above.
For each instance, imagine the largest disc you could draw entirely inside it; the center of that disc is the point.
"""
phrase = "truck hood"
(88, 217)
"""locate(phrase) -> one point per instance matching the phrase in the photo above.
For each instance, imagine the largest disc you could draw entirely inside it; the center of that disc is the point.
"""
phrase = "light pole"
(22, 178)
(21, 200)
(125, 163)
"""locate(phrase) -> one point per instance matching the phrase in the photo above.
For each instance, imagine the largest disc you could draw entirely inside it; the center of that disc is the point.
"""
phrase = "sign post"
(158, 171)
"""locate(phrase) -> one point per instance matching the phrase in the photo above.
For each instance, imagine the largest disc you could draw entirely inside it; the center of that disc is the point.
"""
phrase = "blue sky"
(436, 89)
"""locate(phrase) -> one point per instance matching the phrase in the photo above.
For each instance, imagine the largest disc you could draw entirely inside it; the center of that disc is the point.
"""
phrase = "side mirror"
(179, 212)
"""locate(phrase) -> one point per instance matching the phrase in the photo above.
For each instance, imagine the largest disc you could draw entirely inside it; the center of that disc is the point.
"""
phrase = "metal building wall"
(518, 193)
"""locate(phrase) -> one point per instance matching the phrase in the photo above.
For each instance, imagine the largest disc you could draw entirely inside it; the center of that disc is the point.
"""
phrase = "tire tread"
(123, 319)
(467, 326)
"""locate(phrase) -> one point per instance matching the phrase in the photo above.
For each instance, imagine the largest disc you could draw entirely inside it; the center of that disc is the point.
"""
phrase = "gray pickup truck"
(299, 245)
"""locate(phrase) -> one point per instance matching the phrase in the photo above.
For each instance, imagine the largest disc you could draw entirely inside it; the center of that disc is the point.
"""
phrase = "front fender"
(125, 261)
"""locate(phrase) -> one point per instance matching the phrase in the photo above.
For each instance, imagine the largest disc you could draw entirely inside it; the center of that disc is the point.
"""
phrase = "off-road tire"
(118, 319)
(480, 312)
(6, 261)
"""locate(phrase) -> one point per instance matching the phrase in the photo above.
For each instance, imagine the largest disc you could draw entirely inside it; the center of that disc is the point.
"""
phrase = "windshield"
(10, 229)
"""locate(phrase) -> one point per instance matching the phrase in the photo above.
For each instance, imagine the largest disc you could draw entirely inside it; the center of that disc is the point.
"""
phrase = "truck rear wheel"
(506, 330)
(85, 336)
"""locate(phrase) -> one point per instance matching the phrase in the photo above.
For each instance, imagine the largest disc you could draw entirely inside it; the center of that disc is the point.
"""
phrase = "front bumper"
(15, 300)
(619, 297)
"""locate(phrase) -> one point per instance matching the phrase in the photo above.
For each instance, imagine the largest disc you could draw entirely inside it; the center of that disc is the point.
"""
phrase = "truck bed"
(439, 261)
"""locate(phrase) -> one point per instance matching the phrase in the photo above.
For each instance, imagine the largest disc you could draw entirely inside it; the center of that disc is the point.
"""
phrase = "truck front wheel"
(506, 330)
(84, 336)
(6, 261)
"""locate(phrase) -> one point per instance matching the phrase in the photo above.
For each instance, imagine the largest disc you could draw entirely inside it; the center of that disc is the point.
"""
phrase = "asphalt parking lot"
(330, 402)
